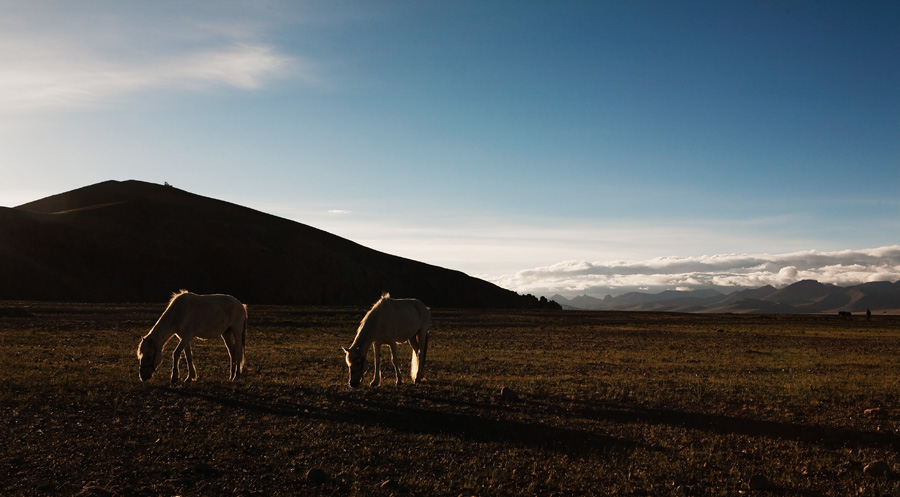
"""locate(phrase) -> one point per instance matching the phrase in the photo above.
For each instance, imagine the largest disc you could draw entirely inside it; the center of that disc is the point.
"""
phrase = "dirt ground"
(605, 403)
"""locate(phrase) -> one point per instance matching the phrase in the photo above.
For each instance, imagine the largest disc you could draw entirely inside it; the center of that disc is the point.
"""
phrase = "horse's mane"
(373, 313)
(177, 294)
(170, 314)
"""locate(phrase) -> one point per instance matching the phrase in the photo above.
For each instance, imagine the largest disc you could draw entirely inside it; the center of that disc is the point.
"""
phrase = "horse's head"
(149, 358)
(356, 361)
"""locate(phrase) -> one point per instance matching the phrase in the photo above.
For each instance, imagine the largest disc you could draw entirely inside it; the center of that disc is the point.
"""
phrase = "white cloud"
(69, 82)
(52, 62)
(725, 271)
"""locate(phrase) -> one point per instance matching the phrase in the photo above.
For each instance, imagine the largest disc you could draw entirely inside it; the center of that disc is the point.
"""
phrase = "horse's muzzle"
(146, 373)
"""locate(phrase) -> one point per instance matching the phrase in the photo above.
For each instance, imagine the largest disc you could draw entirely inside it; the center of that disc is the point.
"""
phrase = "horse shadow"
(482, 422)
(524, 422)
(834, 437)
(489, 422)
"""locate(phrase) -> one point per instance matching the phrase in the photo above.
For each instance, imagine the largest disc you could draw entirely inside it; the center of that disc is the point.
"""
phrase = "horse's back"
(406, 316)
(209, 315)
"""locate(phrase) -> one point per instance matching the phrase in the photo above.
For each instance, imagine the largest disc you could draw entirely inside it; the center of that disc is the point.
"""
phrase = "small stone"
(759, 482)
(877, 468)
(204, 469)
(393, 486)
(687, 490)
(317, 476)
(92, 491)
(508, 394)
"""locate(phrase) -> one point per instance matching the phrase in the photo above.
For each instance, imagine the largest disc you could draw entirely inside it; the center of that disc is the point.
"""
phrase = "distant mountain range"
(803, 297)
(133, 241)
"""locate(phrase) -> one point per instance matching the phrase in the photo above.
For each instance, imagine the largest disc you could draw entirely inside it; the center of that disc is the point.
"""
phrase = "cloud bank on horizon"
(725, 272)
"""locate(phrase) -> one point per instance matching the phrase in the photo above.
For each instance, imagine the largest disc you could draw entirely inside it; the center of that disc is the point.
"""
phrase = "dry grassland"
(608, 404)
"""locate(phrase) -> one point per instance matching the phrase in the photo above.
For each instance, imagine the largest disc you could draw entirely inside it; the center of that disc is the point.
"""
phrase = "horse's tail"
(418, 357)
(414, 364)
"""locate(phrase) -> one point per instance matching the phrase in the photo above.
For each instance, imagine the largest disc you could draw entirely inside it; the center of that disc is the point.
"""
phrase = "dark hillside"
(135, 241)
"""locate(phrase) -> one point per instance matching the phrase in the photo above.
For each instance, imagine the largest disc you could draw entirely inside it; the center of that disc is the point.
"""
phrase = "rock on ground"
(393, 486)
(877, 468)
(508, 394)
(759, 482)
(317, 476)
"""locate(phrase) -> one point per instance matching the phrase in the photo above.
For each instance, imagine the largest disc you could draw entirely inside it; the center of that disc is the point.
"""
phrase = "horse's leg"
(240, 335)
(192, 372)
(233, 352)
(393, 347)
(176, 356)
(377, 379)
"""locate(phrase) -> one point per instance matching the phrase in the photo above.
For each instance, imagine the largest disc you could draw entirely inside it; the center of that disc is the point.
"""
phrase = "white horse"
(390, 321)
(202, 316)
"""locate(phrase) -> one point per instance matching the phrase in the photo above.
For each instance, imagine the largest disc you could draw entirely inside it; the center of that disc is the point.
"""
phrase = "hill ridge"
(133, 241)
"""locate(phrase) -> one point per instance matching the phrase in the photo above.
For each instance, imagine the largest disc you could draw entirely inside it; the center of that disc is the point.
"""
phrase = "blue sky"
(509, 140)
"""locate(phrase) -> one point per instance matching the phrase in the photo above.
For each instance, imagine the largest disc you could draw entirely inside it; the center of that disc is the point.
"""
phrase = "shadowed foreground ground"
(609, 404)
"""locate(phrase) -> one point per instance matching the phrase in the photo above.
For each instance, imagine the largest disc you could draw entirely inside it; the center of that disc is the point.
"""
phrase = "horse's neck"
(362, 342)
(365, 337)
(161, 333)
